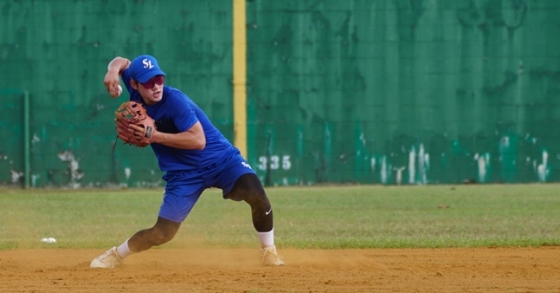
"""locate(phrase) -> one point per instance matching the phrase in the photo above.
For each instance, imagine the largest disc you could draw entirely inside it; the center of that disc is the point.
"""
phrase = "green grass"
(327, 217)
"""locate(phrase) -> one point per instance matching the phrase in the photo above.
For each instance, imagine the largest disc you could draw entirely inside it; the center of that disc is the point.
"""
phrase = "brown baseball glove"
(133, 113)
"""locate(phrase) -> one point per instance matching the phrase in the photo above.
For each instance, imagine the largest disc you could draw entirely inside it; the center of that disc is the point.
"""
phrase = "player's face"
(152, 90)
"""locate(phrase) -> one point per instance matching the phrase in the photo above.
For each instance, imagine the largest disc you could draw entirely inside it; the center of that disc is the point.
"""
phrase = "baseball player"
(191, 152)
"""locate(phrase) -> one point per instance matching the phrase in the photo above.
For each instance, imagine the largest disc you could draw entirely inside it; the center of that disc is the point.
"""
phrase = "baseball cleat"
(108, 260)
(269, 257)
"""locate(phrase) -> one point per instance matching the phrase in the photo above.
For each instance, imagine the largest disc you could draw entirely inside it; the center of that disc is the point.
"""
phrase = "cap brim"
(149, 75)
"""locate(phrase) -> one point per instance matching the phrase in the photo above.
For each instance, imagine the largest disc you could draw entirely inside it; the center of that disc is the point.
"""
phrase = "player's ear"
(134, 84)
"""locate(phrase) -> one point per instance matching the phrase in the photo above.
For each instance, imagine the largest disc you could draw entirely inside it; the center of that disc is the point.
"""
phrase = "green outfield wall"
(373, 92)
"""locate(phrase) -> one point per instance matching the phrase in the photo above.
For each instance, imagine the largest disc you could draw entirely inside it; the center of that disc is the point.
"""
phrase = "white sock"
(123, 250)
(266, 238)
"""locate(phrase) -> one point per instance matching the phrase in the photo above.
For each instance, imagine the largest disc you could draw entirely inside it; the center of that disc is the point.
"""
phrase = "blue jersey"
(176, 113)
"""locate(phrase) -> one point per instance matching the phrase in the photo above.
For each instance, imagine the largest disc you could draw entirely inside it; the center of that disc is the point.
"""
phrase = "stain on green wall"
(414, 92)
(59, 50)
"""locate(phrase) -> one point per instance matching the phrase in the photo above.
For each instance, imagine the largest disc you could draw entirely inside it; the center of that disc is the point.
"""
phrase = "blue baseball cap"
(144, 68)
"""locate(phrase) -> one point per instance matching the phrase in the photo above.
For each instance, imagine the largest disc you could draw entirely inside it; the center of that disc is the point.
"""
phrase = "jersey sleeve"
(184, 115)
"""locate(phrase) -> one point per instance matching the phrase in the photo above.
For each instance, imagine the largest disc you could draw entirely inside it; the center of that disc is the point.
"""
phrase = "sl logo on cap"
(147, 63)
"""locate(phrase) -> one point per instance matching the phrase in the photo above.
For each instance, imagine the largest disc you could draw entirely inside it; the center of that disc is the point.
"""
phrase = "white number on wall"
(286, 164)
(275, 162)
(262, 163)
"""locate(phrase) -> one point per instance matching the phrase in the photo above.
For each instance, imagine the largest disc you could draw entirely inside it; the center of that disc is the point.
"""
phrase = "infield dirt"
(238, 270)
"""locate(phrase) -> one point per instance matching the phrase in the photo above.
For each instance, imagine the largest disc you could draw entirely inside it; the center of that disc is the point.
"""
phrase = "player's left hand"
(133, 124)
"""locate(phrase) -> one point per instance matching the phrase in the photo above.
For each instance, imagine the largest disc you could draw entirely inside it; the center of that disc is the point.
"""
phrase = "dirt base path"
(237, 270)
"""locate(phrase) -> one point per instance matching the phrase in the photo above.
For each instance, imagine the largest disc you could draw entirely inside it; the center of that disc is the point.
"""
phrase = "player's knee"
(255, 197)
(259, 202)
(259, 198)
(247, 188)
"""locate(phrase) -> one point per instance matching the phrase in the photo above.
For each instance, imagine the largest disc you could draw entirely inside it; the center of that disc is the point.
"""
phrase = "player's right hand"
(112, 82)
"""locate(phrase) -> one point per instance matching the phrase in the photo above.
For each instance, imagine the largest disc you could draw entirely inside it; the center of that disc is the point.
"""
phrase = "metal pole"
(240, 76)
